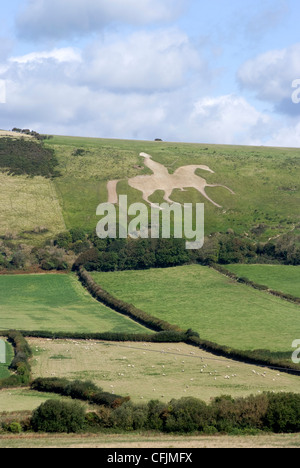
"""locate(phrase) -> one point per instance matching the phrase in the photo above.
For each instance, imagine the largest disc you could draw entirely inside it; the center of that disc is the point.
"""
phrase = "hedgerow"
(122, 307)
(81, 390)
(20, 364)
(253, 414)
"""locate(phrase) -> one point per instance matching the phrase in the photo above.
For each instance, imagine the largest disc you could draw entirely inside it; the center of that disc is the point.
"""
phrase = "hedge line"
(79, 390)
(20, 364)
(159, 337)
(267, 412)
(258, 357)
(122, 307)
(261, 287)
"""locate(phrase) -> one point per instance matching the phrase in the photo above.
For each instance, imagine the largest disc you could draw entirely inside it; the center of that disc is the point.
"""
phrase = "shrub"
(283, 413)
(242, 413)
(58, 416)
(15, 428)
(130, 417)
(155, 411)
(187, 415)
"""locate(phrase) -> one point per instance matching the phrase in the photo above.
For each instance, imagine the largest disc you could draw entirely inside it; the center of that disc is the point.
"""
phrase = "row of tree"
(268, 412)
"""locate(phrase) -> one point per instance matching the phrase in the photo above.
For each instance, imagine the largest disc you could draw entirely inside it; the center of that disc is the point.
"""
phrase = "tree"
(58, 416)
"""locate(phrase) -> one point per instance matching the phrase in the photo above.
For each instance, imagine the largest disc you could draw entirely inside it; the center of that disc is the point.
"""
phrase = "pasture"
(56, 302)
(28, 204)
(219, 309)
(264, 180)
(23, 399)
(282, 278)
(146, 371)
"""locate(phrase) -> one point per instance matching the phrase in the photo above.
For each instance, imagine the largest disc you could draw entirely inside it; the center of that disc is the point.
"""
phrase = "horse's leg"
(167, 195)
(202, 191)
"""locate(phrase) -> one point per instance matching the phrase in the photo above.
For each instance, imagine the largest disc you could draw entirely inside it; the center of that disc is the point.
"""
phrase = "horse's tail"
(112, 191)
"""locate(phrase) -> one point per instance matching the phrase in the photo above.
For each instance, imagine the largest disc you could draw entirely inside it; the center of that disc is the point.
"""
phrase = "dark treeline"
(76, 247)
(27, 157)
(254, 414)
(223, 249)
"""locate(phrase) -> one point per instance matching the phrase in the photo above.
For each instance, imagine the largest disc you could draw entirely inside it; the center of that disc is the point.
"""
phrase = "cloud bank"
(57, 19)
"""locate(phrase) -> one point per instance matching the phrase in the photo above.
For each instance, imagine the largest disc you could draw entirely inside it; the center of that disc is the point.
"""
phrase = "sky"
(215, 71)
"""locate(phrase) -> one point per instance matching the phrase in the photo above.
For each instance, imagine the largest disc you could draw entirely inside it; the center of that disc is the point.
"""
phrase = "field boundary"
(20, 364)
(122, 307)
(241, 279)
(192, 338)
(159, 337)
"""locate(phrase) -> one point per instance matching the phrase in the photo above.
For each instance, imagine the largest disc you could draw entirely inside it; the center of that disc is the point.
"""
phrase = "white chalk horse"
(183, 178)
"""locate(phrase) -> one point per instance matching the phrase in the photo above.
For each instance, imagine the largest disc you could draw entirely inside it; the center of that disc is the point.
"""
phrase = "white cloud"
(228, 119)
(57, 19)
(143, 61)
(286, 136)
(270, 75)
(148, 85)
(67, 54)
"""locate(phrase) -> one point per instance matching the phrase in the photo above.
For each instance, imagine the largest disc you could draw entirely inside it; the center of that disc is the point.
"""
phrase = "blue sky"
(181, 70)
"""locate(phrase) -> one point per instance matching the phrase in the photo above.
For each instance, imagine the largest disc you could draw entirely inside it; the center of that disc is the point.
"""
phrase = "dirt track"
(161, 441)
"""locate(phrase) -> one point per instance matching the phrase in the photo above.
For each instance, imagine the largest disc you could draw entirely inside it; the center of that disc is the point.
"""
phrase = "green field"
(219, 309)
(28, 204)
(265, 181)
(56, 302)
(283, 278)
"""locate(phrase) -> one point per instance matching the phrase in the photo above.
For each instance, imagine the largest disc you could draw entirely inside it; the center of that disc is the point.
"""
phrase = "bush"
(130, 417)
(15, 428)
(155, 411)
(239, 414)
(187, 415)
(58, 416)
(283, 413)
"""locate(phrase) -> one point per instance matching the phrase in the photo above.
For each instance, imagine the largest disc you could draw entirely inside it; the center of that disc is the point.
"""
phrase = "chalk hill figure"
(184, 177)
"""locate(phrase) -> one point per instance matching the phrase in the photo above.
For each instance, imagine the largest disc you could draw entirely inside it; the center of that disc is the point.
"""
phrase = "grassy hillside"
(29, 206)
(265, 181)
(283, 278)
(219, 309)
(56, 303)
